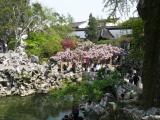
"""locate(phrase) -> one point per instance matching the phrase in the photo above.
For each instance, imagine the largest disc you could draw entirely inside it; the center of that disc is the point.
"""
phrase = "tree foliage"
(120, 6)
(58, 22)
(43, 44)
(44, 27)
(46, 40)
(19, 18)
(91, 30)
(14, 19)
(136, 51)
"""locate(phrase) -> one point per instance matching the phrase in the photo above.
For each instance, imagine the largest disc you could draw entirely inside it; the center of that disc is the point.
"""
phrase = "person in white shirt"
(98, 67)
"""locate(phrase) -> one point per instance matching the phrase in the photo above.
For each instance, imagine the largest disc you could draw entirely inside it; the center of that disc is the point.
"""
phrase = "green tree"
(57, 22)
(136, 51)
(38, 23)
(70, 19)
(18, 18)
(46, 32)
(149, 12)
(91, 30)
(14, 17)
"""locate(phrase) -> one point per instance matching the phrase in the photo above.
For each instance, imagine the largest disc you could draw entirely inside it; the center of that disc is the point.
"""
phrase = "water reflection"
(37, 107)
(59, 116)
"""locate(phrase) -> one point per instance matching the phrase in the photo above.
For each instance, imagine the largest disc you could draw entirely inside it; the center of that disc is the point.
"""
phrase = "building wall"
(117, 33)
(80, 34)
(84, 25)
(120, 32)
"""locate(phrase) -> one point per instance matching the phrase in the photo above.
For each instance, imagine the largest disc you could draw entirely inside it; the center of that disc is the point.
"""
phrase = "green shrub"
(105, 42)
(86, 90)
(115, 42)
(11, 44)
(43, 44)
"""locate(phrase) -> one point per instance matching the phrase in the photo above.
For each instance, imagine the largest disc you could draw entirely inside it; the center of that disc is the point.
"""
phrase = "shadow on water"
(37, 107)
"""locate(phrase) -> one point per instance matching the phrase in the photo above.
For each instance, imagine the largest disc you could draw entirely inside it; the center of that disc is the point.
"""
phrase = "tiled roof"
(77, 24)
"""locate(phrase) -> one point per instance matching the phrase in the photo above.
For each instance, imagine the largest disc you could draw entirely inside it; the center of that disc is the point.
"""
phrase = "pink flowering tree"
(95, 53)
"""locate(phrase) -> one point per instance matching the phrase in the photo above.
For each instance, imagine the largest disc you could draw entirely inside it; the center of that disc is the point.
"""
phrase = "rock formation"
(22, 76)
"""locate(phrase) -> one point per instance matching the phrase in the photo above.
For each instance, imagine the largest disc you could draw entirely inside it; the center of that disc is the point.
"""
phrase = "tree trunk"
(149, 10)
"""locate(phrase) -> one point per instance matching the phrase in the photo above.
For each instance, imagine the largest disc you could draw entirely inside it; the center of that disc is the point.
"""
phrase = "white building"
(107, 31)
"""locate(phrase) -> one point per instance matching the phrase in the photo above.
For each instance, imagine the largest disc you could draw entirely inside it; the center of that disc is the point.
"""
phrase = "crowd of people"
(133, 77)
(91, 69)
(134, 80)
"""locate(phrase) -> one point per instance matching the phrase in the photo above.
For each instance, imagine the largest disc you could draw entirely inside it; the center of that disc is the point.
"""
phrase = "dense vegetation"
(88, 90)
(46, 42)
(137, 41)
(116, 42)
(16, 17)
(43, 44)
(42, 27)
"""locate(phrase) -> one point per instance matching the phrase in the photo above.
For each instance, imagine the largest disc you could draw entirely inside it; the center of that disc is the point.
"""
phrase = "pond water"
(37, 107)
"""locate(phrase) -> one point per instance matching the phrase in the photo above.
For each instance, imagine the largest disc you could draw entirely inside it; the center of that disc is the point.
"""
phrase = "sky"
(78, 9)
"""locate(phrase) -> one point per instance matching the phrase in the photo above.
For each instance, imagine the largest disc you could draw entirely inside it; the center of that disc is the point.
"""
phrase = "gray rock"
(34, 59)
(23, 76)
(151, 117)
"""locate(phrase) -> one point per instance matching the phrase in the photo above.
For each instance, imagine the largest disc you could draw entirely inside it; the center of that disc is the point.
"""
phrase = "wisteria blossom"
(67, 55)
(93, 52)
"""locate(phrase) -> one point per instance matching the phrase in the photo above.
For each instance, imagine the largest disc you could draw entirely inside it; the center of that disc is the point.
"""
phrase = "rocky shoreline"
(110, 107)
